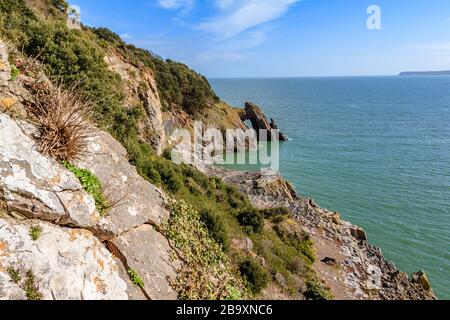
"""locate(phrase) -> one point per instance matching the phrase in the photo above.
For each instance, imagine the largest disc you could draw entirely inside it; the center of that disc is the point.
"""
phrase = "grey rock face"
(135, 201)
(68, 264)
(38, 187)
(152, 129)
(147, 252)
(256, 116)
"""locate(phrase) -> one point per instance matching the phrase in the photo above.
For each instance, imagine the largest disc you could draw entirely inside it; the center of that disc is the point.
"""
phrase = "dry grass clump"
(61, 116)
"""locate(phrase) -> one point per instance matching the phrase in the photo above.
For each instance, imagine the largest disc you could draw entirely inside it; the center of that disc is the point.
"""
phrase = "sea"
(376, 149)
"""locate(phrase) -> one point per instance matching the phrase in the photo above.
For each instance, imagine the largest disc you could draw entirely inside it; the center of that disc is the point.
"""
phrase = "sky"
(283, 38)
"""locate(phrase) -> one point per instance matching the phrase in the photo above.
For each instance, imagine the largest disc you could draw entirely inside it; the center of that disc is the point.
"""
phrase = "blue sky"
(282, 38)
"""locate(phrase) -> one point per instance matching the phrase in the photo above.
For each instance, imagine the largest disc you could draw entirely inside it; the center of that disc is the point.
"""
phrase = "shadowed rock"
(259, 121)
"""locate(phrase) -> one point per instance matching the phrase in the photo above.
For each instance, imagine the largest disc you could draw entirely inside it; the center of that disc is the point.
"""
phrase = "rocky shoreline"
(348, 264)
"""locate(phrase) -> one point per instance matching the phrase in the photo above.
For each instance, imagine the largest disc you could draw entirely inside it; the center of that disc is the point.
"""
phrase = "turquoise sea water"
(376, 149)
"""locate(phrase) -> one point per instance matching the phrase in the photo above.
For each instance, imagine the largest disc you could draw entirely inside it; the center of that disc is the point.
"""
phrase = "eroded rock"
(147, 252)
(68, 264)
(256, 116)
(134, 201)
(37, 186)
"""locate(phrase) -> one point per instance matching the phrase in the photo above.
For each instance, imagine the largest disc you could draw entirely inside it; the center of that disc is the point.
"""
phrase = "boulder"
(329, 261)
(358, 234)
(67, 264)
(147, 252)
(422, 279)
(134, 201)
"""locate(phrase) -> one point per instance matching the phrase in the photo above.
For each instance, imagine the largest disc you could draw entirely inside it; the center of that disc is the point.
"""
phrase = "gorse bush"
(206, 272)
(254, 275)
(251, 219)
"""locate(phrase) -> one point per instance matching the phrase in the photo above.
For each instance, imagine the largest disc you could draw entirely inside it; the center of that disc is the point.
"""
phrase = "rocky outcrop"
(78, 253)
(359, 270)
(140, 89)
(39, 187)
(256, 116)
(67, 264)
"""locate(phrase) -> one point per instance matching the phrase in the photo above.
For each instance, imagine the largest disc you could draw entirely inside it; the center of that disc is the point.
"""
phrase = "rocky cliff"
(346, 262)
(101, 225)
(79, 253)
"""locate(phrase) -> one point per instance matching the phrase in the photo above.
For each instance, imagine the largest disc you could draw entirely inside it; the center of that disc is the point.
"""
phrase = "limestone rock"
(147, 252)
(68, 264)
(5, 68)
(358, 234)
(422, 279)
(256, 116)
(141, 88)
(136, 201)
(37, 186)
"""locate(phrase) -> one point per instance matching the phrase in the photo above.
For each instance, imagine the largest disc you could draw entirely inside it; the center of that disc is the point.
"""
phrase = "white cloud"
(240, 15)
(126, 36)
(175, 4)
(434, 46)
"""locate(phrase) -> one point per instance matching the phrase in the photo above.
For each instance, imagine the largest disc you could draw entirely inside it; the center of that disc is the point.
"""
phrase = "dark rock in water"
(259, 121)
(422, 279)
(358, 234)
(330, 261)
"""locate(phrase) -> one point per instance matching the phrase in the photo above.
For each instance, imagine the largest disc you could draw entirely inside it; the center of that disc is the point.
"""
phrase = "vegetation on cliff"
(213, 215)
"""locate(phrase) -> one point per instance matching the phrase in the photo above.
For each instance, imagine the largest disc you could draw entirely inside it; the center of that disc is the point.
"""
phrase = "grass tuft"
(14, 274)
(61, 117)
(31, 289)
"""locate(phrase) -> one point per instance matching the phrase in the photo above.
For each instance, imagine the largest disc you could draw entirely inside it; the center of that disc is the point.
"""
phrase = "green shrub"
(251, 219)
(315, 291)
(91, 185)
(275, 212)
(216, 227)
(254, 275)
(206, 272)
(35, 232)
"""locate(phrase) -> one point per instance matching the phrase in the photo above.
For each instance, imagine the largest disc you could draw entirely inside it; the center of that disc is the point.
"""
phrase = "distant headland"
(426, 73)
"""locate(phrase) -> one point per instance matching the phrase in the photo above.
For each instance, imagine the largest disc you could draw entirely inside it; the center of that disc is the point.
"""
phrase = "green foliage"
(206, 272)
(14, 274)
(31, 289)
(135, 278)
(35, 232)
(273, 213)
(251, 219)
(91, 185)
(216, 227)
(254, 275)
(315, 291)
(14, 72)
(178, 85)
(76, 57)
